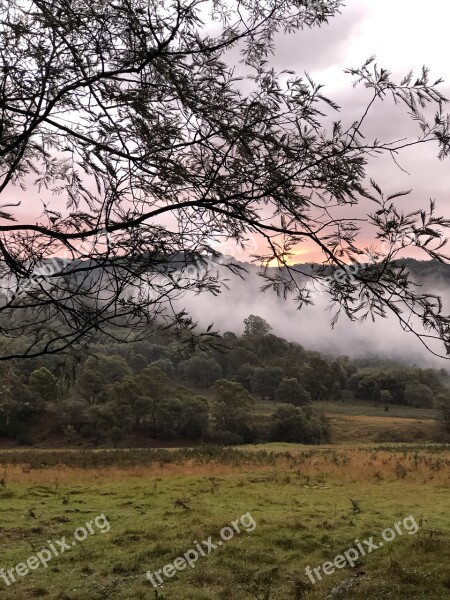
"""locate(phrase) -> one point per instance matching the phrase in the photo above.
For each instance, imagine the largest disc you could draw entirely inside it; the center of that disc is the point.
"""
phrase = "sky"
(403, 35)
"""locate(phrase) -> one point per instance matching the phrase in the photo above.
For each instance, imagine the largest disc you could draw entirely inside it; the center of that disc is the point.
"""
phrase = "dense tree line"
(163, 390)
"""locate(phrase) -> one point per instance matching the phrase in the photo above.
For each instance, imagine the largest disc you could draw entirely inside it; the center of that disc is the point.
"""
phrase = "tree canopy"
(128, 123)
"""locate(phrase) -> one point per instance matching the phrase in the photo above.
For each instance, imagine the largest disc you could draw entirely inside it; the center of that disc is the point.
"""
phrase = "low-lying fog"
(309, 326)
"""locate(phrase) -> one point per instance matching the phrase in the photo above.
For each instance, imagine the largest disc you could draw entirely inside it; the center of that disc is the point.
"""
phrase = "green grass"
(300, 502)
(370, 409)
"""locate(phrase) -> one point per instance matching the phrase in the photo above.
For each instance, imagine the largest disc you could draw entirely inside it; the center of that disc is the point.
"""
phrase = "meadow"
(309, 505)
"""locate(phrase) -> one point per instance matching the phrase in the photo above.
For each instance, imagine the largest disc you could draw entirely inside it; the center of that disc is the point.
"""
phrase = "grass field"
(309, 505)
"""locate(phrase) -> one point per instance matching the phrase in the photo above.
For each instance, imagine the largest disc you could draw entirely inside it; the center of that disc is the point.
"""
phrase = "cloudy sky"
(403, 35)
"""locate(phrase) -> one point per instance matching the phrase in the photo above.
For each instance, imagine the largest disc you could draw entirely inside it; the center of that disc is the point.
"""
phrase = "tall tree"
(201, 370)
(291, 392)
(130, 115)
(44, 385)
(231, 409)
(266, 380)
(255, 325)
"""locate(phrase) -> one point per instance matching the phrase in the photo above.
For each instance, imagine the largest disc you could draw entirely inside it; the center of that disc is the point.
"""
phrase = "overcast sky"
(404, 35)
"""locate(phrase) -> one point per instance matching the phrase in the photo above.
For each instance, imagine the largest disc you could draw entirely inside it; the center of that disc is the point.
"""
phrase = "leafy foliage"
(130, 115)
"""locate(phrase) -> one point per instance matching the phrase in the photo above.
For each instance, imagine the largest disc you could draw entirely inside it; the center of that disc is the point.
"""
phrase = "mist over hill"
(310, 325)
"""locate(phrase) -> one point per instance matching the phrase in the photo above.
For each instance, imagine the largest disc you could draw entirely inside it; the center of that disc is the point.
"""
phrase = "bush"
(294, 424)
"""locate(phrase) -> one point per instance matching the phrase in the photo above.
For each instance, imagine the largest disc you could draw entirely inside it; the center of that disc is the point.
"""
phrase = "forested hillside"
(166, 389)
